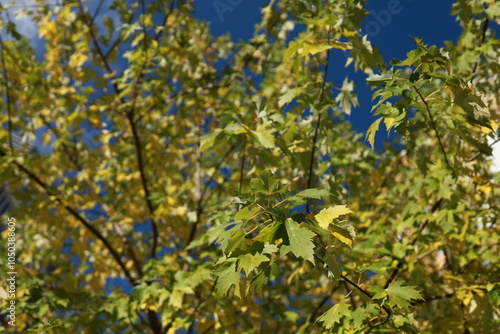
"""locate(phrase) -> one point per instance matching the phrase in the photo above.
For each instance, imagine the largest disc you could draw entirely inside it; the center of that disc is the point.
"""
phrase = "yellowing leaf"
(326, 216)
(47, 30)
(77, 60)
(372, 130)
(342, 235)
(314, 48)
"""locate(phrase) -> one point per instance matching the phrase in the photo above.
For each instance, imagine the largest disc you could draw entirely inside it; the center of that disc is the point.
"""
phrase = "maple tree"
(191, 184)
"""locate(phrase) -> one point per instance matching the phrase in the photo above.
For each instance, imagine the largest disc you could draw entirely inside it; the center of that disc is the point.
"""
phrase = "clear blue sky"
(429, 20)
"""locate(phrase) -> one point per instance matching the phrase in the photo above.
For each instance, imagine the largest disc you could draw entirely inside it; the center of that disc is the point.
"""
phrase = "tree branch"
(481, 42)
(316, 131)
(76, 215)
(434, 126)
(242, 167)
(7, 93)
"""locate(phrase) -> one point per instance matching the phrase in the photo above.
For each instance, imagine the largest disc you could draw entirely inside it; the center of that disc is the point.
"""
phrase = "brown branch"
(430, 299)
(475, 156)
(318, 307)
(165, 19)
(316, 130)
(198, 190)
(76, 215)
(130, 249)
(481, 42)
(242, 167)
(7, 93)
(98, 48)
(366, 293)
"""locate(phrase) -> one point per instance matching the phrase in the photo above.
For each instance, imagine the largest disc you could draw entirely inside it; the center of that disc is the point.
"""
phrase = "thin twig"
(316, 131)
(434, 126)
(475, 156)
(323, 301)
(481, 42)
(242, 167)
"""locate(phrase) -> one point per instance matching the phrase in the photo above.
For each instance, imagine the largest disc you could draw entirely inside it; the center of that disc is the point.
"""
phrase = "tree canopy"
(187, 183)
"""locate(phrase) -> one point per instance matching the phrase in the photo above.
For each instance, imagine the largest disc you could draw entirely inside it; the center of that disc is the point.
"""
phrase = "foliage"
(188, 183)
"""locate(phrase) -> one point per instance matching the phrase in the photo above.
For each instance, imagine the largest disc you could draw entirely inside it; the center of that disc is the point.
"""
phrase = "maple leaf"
(326, 216)
(227, 276)
(299, 241)
(248, 262)
(335, 314)
(398, 295)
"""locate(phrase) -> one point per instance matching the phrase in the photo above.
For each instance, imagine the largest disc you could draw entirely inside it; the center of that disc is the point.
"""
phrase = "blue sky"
(390, 25)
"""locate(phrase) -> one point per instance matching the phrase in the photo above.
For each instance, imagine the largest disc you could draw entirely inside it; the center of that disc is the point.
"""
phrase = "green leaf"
(326, 216)
(335, 314)
(209, 140)
(248, 262)
(397, 295)
(313, 193)
(264, 138)
(267, 234)
(231, 229)
(333, 269)
(300, 242)
(363, 313)
(311, 48)
(372, 130)
(472, 103)
(227, 275)
(269, 248)
(266, 184)
(346, 98)
(246, 213)
(288, 96)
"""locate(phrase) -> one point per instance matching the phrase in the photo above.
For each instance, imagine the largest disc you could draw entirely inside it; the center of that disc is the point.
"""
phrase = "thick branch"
(76, 215)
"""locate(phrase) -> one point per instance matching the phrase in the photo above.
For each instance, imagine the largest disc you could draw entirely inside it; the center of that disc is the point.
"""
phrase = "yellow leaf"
(341, 235)
(314, 48)
(47, 30)
(389, 121)
(326, 216)
(372, 130)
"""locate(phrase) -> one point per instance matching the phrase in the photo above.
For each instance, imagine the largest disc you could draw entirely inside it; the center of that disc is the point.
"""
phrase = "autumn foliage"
(186, 183)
